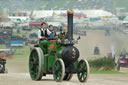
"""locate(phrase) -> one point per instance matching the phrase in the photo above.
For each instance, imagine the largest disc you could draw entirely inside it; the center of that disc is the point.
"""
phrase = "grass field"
(57, 4)
(60, 3)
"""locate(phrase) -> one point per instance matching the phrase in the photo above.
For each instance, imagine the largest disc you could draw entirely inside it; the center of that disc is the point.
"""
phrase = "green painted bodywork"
(44, 46)
(53, 51)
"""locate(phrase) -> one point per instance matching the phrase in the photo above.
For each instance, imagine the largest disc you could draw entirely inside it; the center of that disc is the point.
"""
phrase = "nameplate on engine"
(51, 46)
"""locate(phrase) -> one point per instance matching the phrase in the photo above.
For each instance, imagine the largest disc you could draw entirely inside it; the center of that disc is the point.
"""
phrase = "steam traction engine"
(58, 57)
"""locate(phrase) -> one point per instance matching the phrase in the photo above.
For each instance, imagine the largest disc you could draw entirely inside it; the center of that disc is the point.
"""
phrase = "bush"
(102, 64)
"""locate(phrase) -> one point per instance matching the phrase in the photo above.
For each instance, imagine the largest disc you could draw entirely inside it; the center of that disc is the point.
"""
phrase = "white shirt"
(39, 33)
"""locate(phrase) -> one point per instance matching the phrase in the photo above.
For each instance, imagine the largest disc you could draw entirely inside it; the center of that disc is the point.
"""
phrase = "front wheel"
(83, 70)
(58, 70)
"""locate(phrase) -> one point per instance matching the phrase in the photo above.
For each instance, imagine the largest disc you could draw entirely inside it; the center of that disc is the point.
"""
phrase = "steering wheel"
(43, 38)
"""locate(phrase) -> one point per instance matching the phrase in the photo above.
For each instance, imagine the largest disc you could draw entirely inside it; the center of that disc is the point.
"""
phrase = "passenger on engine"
(43, 32)
(52, 36)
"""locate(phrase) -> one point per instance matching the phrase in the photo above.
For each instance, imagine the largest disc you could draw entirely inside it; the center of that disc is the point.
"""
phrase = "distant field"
(116, 4)
(2, 46)
(121, 3)
(57, 4)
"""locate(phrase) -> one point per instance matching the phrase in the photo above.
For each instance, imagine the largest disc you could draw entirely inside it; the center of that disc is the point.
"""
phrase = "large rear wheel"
(36, 64)
(58, 70)
(83, 70)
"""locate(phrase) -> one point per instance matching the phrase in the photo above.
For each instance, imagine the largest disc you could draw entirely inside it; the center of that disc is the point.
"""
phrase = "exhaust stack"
(70, 25)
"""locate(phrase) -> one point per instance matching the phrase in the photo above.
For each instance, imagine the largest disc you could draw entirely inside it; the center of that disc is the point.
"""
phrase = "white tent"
(97, 13)
(46, 13)
(90, 13)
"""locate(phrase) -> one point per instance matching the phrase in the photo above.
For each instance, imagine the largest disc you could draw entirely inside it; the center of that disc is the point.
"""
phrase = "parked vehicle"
(122, 62)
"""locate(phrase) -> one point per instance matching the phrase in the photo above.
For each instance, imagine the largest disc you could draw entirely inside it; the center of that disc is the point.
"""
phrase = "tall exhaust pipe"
(70, 25)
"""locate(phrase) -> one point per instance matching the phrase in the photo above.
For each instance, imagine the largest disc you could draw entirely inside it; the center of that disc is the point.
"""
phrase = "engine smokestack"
(70, 25)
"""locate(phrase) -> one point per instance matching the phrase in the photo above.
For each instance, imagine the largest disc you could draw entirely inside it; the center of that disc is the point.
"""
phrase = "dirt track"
(95, 79)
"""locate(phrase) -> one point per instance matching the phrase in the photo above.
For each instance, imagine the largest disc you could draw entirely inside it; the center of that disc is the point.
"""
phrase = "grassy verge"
(106, 72)
(102, 64)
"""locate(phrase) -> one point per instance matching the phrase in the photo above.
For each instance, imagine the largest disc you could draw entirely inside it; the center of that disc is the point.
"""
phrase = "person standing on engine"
(43, 32)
